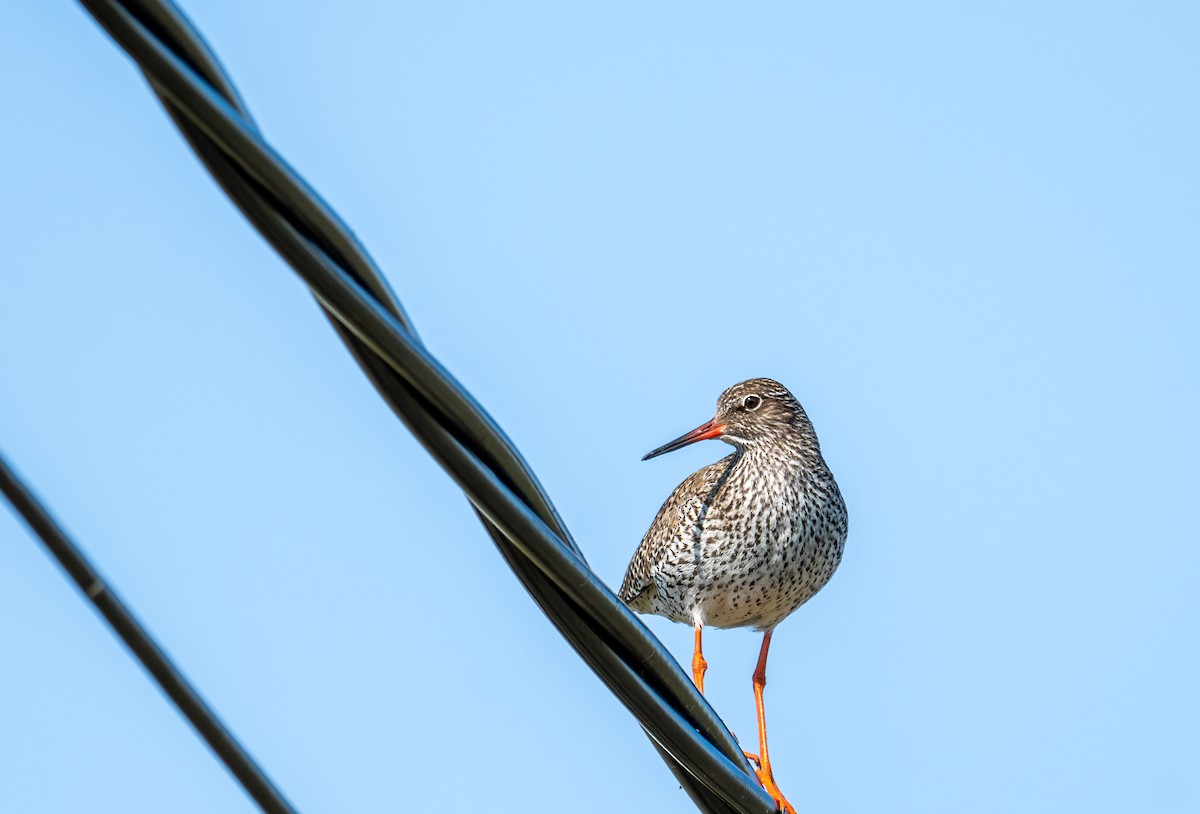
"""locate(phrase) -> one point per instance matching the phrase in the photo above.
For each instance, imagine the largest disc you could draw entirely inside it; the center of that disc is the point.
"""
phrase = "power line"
(454, 429)
(142, 645)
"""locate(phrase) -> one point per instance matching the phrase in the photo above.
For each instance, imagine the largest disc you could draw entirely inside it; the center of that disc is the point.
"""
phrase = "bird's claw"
(767, 780)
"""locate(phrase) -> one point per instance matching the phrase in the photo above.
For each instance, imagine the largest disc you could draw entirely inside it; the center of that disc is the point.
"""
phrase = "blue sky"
(964, 235)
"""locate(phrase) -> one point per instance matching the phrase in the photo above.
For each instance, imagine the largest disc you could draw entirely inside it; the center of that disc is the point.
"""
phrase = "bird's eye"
(751, 402)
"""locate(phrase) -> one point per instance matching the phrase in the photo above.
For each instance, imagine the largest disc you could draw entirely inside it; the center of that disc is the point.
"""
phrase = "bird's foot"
(767, 780)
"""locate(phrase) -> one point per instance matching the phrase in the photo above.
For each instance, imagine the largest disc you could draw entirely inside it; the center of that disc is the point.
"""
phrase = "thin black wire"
(144, 648)
(457, 432)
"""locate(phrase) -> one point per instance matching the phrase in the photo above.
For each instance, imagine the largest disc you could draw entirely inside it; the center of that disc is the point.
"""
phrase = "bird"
(747, 540)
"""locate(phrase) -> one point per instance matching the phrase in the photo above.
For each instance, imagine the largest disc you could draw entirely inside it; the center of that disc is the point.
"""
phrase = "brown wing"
(674, 525)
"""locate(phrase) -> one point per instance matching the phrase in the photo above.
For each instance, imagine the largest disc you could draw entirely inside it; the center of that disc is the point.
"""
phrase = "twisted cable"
(457, 432)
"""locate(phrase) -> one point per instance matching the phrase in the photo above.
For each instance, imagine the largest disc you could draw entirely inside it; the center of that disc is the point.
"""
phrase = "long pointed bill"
(712, 429)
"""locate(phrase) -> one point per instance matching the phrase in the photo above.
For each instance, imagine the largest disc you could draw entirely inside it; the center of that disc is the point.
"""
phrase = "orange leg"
(762, 759)
(699, 665)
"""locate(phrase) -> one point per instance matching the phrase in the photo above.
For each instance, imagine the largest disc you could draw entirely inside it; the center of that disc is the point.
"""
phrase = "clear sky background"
(965, 235)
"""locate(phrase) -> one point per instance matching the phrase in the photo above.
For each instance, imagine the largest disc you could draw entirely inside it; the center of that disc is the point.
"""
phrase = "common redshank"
(745, 541)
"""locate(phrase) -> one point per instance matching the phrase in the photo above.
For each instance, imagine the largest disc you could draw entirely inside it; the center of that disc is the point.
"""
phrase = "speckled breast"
(768, 537)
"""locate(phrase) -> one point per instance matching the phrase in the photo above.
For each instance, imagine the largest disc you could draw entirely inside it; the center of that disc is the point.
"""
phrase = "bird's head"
(756, 411)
